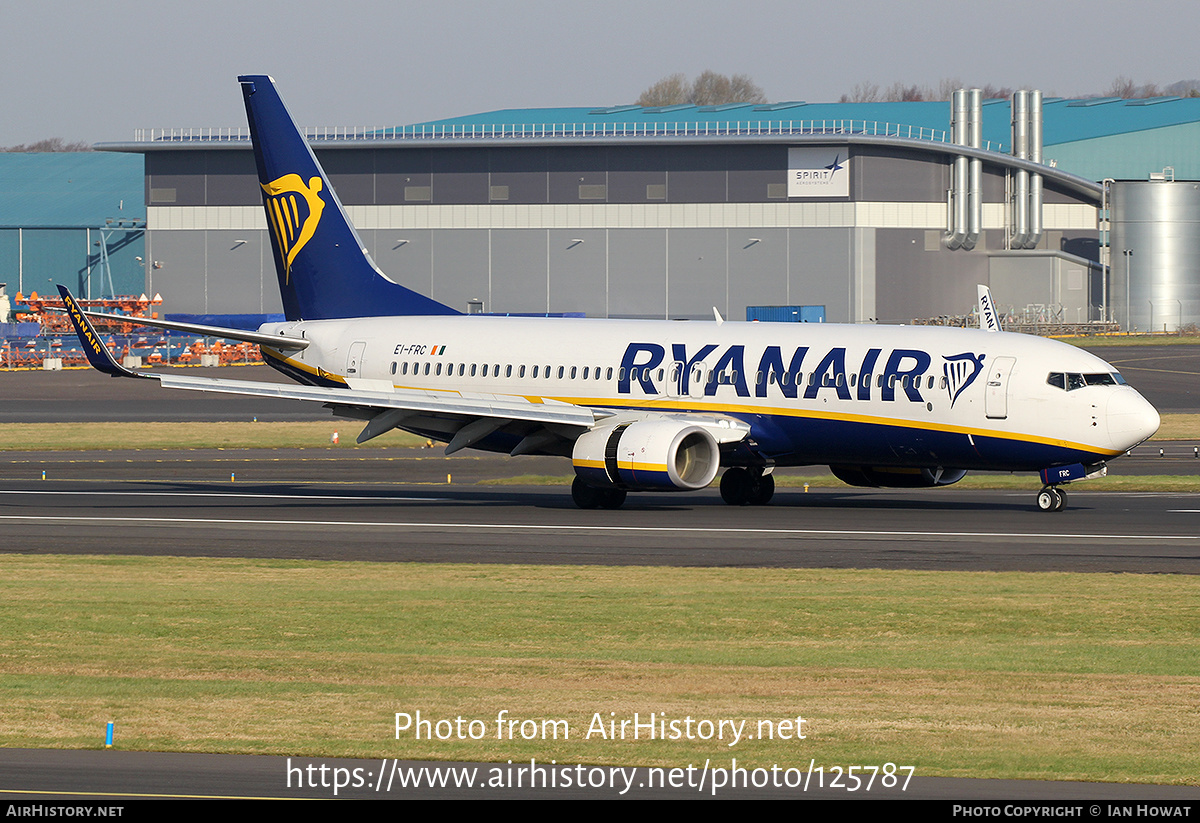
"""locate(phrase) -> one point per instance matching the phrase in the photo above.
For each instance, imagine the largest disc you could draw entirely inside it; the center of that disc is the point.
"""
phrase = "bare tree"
(1184, 88)
(743, 89)
(990, 92)
(1123, 87)
(900, 93)
(49, 145)
(709, 89)
(946, 88)
(862, 93)
(672, 90)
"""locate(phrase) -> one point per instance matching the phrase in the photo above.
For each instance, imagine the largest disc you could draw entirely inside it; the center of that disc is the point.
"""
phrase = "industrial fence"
(575, 131)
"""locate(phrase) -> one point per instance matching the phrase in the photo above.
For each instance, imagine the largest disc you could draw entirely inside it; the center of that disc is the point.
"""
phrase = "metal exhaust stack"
(956, 228)
(1035, 179)
(975, 182)
(1020, 195)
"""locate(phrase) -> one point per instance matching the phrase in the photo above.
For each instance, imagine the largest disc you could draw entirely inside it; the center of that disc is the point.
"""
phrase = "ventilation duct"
(956, 223)
(1027, 189)
(1035, 179)
(1020, 142)
(965, 203)
(975, 182)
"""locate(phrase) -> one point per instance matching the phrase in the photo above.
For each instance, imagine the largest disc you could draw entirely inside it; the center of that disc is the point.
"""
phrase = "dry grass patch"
(203, 435)
(1089, 677)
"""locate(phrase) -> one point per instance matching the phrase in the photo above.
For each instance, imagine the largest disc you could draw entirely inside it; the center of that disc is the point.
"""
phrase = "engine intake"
(647, 455)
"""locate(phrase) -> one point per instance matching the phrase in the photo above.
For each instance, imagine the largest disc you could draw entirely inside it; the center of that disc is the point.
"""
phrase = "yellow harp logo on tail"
(295, 210)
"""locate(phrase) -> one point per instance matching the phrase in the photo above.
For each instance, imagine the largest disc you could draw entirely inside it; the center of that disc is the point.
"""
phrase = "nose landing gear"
(1051, 499)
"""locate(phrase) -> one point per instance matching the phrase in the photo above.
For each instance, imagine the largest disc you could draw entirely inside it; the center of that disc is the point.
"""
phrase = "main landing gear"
(1051, 499)
(589, 497)
(747, 487)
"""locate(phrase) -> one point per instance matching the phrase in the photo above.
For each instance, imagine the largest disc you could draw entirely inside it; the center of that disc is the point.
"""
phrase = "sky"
(95, 72)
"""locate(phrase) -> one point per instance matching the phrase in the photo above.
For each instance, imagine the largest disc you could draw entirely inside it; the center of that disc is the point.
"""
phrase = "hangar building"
(882, 212)
(72, 217)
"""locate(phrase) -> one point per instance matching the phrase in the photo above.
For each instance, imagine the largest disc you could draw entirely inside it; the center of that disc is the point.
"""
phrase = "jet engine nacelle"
(647, 455)
(897, 477)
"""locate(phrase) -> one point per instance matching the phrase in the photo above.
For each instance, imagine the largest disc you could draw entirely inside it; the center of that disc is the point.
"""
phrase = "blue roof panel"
(1064, 120)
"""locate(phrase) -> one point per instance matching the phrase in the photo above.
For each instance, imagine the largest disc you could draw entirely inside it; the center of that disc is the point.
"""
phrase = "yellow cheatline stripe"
(776, 411)
(642, 467)
(654, 405)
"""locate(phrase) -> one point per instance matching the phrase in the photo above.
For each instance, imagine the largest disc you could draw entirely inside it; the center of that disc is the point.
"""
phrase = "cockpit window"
(1069, 381)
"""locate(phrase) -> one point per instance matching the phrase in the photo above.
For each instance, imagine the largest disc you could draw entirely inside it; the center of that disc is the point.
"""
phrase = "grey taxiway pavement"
(191, 508)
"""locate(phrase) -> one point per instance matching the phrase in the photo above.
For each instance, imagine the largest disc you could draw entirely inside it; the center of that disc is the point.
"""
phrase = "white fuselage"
(813, 393)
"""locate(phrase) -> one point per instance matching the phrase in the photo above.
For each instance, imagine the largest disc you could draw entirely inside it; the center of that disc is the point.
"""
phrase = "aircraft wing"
(384, 409)
(419, 402)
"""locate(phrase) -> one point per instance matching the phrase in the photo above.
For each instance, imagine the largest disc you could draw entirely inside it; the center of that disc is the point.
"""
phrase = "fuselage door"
(697, 380)
(675, 377)
(354, 361)
(995, 402)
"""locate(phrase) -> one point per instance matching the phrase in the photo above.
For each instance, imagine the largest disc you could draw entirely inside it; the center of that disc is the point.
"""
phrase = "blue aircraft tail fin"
(324, 269)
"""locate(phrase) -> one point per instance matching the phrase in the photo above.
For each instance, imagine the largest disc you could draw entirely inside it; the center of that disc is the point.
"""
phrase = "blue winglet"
(97, 353)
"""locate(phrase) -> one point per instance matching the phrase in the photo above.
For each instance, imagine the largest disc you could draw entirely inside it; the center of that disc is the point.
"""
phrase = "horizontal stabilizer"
(275, 341)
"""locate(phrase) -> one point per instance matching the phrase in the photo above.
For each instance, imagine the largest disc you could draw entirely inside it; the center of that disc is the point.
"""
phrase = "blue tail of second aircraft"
(324, 270)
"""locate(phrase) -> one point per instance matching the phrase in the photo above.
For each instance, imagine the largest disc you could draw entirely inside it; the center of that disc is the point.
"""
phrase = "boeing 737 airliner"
(643, 405)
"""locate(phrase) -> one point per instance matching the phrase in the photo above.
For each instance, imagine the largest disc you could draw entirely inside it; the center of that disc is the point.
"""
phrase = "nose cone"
(1131, 419)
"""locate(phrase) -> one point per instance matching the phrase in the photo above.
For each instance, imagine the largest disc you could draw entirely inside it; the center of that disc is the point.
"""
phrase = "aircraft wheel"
(1048, 500)
(1062, 499)
(585, 496)
(735, 487)
(762, 489)
(612, 498)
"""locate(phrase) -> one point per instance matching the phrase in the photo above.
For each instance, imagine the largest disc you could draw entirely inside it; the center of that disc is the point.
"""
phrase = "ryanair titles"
(649, 368)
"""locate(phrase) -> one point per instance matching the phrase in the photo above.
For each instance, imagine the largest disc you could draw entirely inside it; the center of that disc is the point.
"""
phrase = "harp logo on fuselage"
(295, 210)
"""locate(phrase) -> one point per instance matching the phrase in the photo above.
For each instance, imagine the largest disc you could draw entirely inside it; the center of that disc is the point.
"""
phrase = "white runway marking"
(392, 524)
(244, 495)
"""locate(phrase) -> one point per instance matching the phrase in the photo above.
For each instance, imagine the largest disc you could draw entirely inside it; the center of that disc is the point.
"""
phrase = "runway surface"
(395, 506)
(1167, 376)
(114, 778)
(86, 395)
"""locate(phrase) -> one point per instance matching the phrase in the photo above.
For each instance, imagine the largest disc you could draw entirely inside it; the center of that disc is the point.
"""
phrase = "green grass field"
(967, 674)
